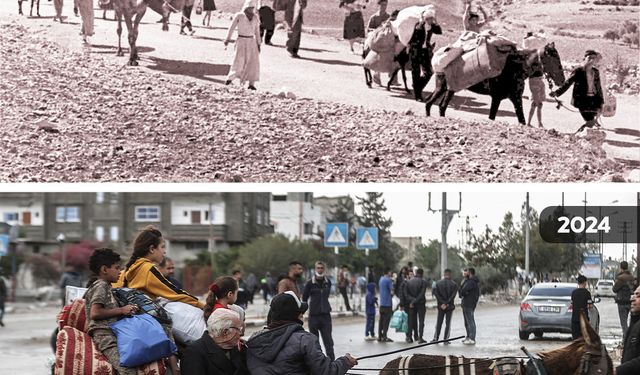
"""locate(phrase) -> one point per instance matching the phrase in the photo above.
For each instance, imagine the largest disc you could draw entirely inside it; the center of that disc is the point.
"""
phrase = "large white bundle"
(536, 41)
(444, 56)
(188, 321)
(408, 18)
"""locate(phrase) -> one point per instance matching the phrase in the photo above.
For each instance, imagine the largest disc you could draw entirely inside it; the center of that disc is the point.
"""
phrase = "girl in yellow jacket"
(142, 273)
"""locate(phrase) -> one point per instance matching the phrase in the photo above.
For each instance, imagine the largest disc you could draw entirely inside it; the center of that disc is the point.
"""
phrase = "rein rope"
(409, 348)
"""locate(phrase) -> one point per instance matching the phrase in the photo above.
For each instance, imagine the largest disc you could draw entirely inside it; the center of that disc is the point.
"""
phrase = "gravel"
(77, 117)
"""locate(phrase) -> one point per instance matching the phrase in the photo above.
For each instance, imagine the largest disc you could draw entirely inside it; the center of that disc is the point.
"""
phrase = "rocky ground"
(72, 117)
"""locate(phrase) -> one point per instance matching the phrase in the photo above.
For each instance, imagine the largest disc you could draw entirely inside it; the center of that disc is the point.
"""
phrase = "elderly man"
(630, 363)
(284, 347)
(218, 351)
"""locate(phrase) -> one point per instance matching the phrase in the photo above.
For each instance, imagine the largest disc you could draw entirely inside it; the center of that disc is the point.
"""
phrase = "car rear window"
(605, 283)
(552, 292)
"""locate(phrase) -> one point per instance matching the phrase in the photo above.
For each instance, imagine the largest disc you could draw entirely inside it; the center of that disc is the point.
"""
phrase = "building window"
(10, 216)
(113, 198)
(279, 198)
(99, 198)
(247, 215)
(258, 216)
(100, 233)
(147, 213)
(67, 214)
(209, 216)
(265, 219)
(308, 228)
(114, 234)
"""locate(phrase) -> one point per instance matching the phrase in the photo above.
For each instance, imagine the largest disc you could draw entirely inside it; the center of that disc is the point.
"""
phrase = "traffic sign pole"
(336, 251)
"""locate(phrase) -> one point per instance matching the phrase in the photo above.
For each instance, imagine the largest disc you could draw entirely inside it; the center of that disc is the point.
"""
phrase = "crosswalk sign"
(367, 238)
(336, 235)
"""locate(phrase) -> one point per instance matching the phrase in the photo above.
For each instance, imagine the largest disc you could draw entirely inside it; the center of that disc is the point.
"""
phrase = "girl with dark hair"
(222, 293)
(142, 273)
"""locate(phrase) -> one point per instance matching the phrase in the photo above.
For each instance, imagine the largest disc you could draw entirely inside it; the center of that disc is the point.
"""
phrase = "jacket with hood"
(470, 292)
(317, 293)
(630, 361)
(145, 276)
(371, 299)
(291, 350)
(623, 287)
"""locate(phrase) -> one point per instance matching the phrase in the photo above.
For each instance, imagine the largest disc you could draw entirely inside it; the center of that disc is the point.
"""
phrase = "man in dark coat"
(284, 347)
(216, 352)
(470, 293)
(316, 293)
(420, 54)
(623, 288)
(414, 293)
(630, 363)
(445, 293)
(587, 93)
(293, 17)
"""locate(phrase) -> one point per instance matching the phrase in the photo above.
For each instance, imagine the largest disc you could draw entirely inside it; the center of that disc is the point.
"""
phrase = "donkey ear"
(590, 336)
(552, 44)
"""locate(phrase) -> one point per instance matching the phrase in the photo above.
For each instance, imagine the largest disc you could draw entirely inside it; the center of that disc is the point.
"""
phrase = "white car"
(604, 288)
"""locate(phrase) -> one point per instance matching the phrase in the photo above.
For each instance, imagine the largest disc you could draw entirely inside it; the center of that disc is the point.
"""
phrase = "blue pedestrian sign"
(367, 238)
(4, 244)
(336, 235)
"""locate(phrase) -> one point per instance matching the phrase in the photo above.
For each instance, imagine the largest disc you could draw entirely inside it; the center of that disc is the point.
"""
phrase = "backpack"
(128, 296)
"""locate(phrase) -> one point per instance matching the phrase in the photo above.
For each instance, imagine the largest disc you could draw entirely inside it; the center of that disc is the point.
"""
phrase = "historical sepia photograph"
(279, 282)
(319, 91)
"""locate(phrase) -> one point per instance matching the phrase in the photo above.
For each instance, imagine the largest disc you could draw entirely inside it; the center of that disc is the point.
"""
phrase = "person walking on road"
(57, 5)
(445, 293)
(185, 21)
(207, 7)
(623, 288)
(581, 301)
(246, 62)
(630, 362)
(376, 21)
(353, 27)
(85, 7)
(470, 293)
(293, 18)
(386, 305)
(414, 292)
(243, 291)
(587, 93)
(267, 21)
(316, 293)
(290, 282)
(284, 347)
(343, 283)
(70, 277)
(3, 297)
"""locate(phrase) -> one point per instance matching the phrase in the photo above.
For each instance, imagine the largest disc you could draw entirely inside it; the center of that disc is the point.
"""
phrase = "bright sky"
(409, 211)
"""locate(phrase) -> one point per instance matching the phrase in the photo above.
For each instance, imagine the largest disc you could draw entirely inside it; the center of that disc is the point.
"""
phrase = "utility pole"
(526, 237)
(447, 216)
(212, 240)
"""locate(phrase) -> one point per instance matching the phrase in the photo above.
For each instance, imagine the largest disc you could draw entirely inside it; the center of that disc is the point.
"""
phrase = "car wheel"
(538, 334)
(524, 335)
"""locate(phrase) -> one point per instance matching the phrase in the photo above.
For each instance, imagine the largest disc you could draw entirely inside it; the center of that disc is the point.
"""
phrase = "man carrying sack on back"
(293, 10)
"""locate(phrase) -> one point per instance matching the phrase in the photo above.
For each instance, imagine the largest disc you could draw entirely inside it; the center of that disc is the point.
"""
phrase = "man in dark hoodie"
(623, 288)
(630, 362)
(445, 292)
(284, 347)
(317, 292)
(470, 293)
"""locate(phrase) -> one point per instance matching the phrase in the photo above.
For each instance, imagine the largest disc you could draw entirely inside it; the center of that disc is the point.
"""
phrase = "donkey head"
(551, 64)
(595, 359)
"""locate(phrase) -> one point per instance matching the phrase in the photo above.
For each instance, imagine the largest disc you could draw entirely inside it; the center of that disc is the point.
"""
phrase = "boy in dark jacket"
(371, 304)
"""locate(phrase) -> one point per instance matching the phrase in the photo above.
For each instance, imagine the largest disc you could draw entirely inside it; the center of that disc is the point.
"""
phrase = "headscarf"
(249, 4)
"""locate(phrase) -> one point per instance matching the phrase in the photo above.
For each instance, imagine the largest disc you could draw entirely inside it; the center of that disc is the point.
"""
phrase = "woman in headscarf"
(246, 62)
(85, 7)
(353, 29)
(208, 6)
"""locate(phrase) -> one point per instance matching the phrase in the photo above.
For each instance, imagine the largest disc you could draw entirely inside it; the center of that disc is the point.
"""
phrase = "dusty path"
(327, 71)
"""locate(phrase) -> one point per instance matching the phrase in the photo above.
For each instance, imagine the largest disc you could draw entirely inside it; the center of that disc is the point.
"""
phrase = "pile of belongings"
(472, 58)
(388, 40)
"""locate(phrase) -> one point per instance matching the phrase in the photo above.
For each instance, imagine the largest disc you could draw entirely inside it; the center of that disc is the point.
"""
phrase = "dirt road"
(327, 71)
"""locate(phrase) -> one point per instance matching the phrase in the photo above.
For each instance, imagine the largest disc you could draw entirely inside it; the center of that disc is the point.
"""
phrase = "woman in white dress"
(246, 62)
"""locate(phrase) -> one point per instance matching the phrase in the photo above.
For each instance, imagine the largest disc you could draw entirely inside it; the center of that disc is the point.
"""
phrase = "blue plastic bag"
(141, 340)
(400, 321)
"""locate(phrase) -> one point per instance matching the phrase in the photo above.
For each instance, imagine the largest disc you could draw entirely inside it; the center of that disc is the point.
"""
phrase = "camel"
(132, 11)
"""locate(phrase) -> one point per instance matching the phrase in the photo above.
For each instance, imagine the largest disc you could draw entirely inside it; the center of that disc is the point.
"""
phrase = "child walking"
(102, 308)
(371, 304)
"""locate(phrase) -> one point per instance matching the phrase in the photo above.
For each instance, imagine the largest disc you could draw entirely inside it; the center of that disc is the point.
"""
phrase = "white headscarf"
(249, 4)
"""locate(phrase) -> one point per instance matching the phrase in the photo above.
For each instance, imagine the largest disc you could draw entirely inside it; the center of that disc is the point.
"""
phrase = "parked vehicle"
(547, 308)
(604, 288)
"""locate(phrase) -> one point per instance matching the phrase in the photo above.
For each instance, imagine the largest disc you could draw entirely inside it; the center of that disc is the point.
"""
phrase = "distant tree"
(273, 253)
(343, 212)
(373, 209)
(613, 35)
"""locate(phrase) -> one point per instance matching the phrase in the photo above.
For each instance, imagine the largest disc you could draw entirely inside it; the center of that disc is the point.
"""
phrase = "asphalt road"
(24, 342)
(327, 71)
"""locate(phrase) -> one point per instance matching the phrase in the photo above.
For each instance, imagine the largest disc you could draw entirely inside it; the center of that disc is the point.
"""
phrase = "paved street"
(24, 342)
